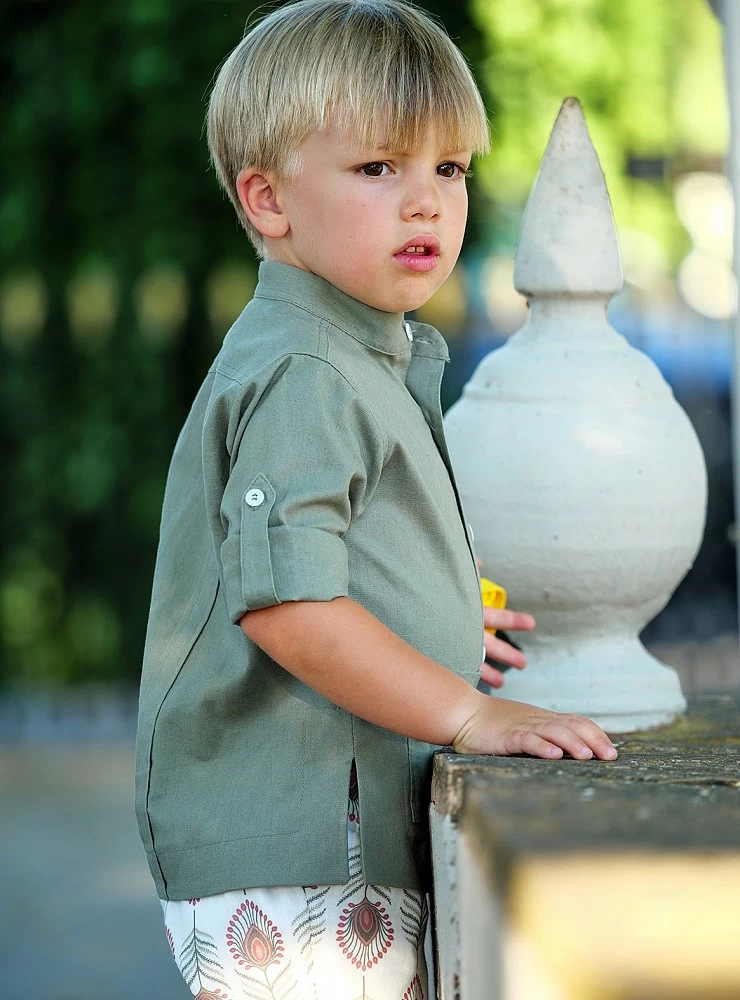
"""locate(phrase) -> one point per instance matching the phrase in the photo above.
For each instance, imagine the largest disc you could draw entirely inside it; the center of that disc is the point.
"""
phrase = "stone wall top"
(677, 787)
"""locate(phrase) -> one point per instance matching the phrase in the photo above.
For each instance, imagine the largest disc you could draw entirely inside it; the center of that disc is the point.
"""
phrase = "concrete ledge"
(577, 880)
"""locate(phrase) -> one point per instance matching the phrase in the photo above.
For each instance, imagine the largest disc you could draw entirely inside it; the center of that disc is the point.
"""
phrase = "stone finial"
(568, 243)
(581, 475)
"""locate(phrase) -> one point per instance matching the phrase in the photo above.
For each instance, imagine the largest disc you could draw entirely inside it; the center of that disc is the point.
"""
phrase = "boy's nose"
(421, 202)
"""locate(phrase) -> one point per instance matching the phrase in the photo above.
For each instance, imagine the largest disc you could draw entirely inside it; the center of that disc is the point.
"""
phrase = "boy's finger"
(523, 741)
(580, 737)
(503, 652)
(562, 735)
(521, 620)
(594, 736)
(491, 675)
(504, 618)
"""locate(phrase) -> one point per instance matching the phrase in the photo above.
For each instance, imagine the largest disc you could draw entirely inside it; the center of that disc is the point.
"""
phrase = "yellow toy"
(493, 596)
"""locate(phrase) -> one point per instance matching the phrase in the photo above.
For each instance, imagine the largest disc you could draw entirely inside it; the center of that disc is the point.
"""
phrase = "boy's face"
(352, 212)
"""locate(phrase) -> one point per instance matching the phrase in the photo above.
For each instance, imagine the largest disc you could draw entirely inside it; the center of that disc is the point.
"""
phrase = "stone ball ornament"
(582, 477)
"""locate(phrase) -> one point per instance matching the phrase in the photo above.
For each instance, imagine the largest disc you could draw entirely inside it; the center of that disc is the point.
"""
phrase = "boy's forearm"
(341, 650)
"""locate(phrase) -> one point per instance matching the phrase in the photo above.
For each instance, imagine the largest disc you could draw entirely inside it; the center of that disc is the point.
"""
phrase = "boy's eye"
(449, 170)
(373, 169)
(452, 170)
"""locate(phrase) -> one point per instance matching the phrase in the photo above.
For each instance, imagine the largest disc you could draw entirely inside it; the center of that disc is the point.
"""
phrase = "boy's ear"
(258, 197)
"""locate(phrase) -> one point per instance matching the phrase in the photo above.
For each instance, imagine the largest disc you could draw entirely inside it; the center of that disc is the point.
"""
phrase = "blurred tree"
(108, 214)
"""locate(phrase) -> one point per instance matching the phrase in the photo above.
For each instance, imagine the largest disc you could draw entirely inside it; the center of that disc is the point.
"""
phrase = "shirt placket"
(424, 382)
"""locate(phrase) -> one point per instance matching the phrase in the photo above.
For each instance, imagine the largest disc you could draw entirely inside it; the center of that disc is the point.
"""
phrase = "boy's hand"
(497, 649)
(507, 727)
(510, 727)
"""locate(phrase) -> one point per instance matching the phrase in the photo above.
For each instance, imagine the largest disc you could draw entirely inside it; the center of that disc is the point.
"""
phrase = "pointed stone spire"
(568, 243)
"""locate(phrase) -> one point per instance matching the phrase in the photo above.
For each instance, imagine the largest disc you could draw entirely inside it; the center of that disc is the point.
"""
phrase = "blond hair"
(379, 70)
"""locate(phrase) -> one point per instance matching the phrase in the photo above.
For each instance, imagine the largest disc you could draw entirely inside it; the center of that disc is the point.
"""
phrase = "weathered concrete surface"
(617, 880)
(699, 753)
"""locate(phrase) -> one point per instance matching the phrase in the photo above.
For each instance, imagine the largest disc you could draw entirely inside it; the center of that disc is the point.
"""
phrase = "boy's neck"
(383, 331)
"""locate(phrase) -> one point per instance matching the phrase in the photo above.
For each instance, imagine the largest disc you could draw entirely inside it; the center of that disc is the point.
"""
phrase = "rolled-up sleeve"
(305, 458)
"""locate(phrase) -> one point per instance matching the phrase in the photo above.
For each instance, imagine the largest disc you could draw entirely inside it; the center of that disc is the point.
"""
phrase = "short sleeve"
(307, 456)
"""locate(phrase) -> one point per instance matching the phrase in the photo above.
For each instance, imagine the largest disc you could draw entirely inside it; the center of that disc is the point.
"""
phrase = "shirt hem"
(276, 860)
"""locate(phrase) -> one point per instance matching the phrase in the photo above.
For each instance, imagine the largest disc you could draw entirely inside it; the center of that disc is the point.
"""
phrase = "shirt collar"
(381, 331)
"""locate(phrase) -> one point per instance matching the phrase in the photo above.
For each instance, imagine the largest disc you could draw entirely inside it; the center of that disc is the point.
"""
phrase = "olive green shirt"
(312, 465)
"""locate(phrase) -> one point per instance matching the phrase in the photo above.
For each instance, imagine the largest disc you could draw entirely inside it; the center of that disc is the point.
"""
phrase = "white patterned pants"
(316, 942)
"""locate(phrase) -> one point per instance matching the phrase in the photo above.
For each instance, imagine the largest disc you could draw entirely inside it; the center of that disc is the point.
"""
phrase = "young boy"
(316, 624)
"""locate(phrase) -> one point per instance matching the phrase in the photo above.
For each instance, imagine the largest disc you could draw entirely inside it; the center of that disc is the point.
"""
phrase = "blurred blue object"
(694, 354)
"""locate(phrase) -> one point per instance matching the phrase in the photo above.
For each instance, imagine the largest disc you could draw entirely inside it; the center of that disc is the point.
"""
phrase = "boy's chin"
(410, 299)
(394, 297)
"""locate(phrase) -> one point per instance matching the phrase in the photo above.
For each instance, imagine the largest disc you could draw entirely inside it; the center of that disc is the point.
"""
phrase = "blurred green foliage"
(111, 225)
(649, 74)
(122, 264)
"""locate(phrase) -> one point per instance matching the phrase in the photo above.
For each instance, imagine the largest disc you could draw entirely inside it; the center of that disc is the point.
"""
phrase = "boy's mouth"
(424, 245)
(421, 253)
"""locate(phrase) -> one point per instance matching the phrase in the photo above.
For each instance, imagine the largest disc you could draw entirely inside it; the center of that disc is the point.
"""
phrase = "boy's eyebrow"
(382, 148)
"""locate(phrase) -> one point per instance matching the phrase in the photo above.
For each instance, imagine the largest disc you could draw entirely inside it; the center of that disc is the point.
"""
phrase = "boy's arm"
(349, 656)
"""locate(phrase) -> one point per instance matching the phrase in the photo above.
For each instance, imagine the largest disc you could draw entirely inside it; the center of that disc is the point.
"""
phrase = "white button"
(409, 334)
(472, 536)
(254, 498)
(484, 653)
